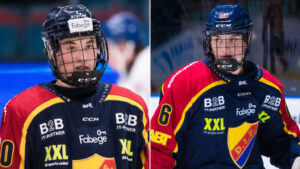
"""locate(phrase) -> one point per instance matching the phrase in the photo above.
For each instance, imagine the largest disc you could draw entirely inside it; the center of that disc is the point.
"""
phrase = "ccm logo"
(90, 119)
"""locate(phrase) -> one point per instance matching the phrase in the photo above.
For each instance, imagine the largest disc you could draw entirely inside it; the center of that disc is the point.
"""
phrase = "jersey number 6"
(164, 115)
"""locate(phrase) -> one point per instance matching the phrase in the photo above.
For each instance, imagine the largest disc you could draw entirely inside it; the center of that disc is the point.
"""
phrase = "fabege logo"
(101, 139)
(80, 25)
(248, 111)
(51, 125)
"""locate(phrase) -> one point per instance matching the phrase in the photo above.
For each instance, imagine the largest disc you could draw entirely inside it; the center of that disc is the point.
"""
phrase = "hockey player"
(124, 35)
(223, 112)
(76, 121)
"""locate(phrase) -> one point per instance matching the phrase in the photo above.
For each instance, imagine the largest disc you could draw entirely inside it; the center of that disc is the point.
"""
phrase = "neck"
(239, 71)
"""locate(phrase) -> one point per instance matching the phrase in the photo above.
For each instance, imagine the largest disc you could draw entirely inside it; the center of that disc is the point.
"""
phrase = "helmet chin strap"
(228, 65)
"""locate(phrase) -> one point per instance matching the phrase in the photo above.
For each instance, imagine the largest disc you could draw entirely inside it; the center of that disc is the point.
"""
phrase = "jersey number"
(7, 150)
(164, 115)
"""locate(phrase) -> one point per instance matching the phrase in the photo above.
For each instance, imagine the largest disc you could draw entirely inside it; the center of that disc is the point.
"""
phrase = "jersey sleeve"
(16, 117)
(144, 143)
(125, 95)
(163, 142)
(10, 134)
(280, 134)
(178, 95)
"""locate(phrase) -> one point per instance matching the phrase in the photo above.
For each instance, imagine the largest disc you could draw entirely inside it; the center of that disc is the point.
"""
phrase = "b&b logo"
(126, 121)
(271, 102)
(214, 103)
(51, 125)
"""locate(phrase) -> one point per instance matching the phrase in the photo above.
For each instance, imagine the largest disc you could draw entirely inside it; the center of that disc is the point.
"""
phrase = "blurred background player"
(273, 21)
(75, 121)
(128, 55)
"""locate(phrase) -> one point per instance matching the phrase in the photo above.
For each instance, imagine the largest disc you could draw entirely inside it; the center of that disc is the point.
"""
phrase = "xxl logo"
(240, 142)
(56, 152)
(271, 102)
(159, 137)
(101, 138)
(126, 149)
(214, 126)
(214, 104)
(51, 125)
(246, 111)
(126, 122)
(95, 162)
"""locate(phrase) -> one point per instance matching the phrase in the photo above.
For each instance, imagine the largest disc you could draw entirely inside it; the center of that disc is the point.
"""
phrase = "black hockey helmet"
(68, 22)
(227, 19)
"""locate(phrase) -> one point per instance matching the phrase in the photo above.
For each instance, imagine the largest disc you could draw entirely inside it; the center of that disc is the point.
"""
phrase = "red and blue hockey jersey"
(42, 128)
(207, 119)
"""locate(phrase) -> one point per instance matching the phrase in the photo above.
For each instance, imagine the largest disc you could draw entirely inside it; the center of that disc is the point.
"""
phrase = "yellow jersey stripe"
(28, 121)
(192, 101)
(263, 80)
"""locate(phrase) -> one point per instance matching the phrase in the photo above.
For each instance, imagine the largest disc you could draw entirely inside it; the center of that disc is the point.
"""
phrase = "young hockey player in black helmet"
(223, 112)
(76, 121)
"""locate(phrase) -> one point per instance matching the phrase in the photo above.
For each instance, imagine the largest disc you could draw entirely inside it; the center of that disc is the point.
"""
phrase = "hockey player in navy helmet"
(223, 112)
(75, 121)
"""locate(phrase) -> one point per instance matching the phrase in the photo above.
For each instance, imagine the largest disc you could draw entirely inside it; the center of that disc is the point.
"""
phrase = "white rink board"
(292, 103)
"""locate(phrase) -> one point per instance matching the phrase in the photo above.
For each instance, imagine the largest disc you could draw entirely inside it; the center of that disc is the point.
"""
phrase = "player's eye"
(90, 46)
(72, 49)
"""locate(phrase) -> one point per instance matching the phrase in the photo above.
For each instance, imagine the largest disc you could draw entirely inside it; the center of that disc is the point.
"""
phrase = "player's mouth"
(82, 68)
(226, 57)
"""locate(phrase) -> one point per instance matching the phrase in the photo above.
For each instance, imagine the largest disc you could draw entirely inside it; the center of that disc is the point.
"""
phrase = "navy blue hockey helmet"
(123, 26)
(68, 22)
(227, 19)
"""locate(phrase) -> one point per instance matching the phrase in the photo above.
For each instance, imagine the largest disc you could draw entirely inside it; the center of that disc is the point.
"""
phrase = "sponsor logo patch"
(126, 150)
(214, 126)
(88, 105)
(214, 104)
(126, 122)
(246, 111)
(240, 141)
(95, 162)
(56, 155)
(159, 137)
(51, 128)
(101, 138)
(80, 25)
(271, 102)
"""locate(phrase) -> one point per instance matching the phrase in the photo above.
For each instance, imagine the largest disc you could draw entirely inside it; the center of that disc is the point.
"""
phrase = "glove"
(296, 164)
